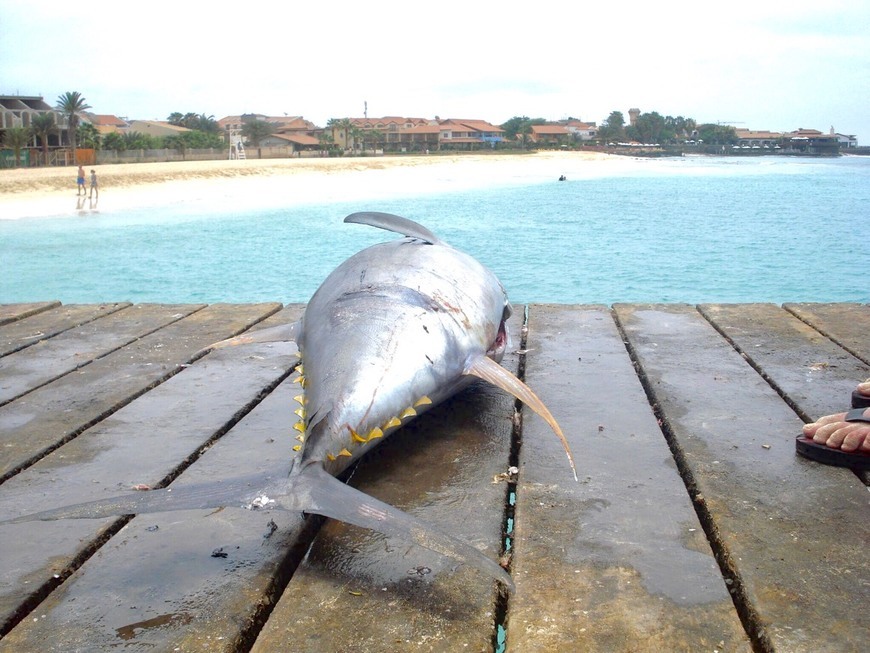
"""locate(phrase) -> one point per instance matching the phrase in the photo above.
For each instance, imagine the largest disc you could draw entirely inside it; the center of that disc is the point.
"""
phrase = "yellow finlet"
(408, 412)
(392, 423)
(345, 452)
(300, 399)
(375, 433)
(301, 437)
(330, 457)
(297, 447)
(423, 401)
(299, 426)
(356, 437)
(300, 412)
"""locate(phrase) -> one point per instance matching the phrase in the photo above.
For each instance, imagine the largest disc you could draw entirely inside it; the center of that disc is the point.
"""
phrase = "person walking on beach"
(80, 181)
(94, 186)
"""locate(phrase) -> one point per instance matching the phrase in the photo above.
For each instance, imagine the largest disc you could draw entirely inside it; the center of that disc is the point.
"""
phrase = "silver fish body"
(389, 334)
(394, 330)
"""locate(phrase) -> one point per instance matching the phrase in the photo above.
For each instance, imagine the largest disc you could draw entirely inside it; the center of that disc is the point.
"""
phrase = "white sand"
(42, 192)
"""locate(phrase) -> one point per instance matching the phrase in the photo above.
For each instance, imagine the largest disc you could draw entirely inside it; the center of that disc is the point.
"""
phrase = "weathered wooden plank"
(619, 561)
(788, 529)
(24, 333)
(144, 442)
(843, 323)
(361, 591)
(26, 370)
(34, 424)
(816, 375)
(13, 312)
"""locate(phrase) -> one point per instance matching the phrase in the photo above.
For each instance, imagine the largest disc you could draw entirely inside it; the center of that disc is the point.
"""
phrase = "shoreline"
(49, 192)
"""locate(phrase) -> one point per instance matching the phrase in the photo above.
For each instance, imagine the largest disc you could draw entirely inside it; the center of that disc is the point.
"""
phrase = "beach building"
(20, 110)
(847, 141)
(158, 128)
(579, 130)
(108, 124)
(812, 141)
(388, 133)
(763, 139)
(290, 135)
(400, 134)
(469, 134)
(554, 135)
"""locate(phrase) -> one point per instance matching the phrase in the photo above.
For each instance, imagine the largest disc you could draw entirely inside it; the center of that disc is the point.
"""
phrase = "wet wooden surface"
(693, 527)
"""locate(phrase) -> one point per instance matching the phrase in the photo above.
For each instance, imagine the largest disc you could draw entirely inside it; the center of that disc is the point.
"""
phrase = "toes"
(857, 438)
(811, 429)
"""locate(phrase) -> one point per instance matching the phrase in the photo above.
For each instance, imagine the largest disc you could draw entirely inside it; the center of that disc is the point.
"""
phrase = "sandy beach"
(42, 192)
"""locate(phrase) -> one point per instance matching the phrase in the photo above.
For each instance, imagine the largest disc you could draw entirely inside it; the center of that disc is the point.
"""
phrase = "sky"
(759, 64)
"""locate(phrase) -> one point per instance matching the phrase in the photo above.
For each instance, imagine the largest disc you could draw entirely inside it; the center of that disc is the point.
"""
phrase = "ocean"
(691, 229)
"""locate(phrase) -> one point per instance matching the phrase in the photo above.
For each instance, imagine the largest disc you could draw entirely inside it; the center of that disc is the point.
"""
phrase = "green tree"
(140, 141)
(327, 141)
(42, 126)
(649, 128)
(194, 139)
(344, 125)
(88, 136)
(115, 142)
(372, 137)
(357, 135)
(520, 128)
(713, 134)
(16, 139)
(72, 105)
(255, 132)
(207, 124)
(682, 127)
(613, 128)
(197, 121)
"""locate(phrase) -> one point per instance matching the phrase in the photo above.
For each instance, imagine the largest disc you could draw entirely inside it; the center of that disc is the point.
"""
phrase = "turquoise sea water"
(694, 229)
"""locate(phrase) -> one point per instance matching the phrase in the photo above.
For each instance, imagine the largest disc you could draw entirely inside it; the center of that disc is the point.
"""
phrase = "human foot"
(842, 438)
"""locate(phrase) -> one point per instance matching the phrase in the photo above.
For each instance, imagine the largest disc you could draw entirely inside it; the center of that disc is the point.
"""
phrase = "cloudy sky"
(760, 64)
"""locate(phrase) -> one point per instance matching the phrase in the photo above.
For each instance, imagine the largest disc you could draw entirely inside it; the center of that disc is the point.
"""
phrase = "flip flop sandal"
(828, 456)
(859, 400)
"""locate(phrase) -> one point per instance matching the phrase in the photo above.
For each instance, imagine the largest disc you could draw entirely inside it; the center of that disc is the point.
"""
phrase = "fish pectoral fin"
(491, 372)
(280, 333)
(394, 223)
(329, 497)
(233, 492)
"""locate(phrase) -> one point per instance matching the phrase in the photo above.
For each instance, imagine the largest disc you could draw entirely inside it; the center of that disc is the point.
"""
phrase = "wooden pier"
(694, 525)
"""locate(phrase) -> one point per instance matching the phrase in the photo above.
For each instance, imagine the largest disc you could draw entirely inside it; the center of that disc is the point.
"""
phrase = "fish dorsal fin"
(395, 223)
(490, 371)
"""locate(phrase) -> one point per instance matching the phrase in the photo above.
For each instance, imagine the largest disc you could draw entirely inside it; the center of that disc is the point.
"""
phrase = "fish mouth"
(497, 348)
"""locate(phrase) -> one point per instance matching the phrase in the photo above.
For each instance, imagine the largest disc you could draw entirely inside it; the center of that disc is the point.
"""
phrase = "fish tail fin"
(329, 497)
(492, 372)
(235, 492)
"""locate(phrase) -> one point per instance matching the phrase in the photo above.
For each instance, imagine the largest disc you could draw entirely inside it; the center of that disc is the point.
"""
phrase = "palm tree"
(41, 126)
(16, 139)
(72, 105)
(207, 124)
(327, 142)
(357, 135)
(255, 132)
(346, 124)
(88, 136)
